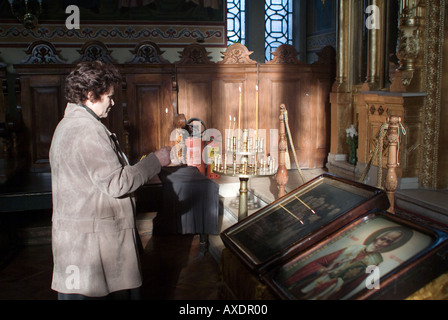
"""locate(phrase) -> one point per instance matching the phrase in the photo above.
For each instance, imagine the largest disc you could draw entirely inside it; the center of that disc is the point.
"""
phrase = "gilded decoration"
(410, 40)
(418, 100)
(435, 16)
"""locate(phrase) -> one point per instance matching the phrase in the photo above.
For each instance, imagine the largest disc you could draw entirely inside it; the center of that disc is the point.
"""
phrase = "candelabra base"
(244, 179)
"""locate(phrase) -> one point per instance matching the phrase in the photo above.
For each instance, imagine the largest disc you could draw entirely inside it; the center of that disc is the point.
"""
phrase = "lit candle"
(166, 121)
(234, 122)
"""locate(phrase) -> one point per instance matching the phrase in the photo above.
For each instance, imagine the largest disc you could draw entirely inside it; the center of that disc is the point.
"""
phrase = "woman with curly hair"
(94, 239)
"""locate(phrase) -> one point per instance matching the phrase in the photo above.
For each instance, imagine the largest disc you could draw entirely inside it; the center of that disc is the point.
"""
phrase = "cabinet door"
(148, 99)
(43, 106)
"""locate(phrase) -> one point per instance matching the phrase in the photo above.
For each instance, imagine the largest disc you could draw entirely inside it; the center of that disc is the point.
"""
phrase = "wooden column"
(393, 135)
(282, 172)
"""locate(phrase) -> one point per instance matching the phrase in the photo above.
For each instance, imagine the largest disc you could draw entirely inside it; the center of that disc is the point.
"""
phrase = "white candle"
(256, 112)
(239, 109)
(166, 121)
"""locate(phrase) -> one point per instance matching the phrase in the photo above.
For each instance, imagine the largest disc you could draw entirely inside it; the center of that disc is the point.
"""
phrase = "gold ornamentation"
(410, 46)
(431, 110)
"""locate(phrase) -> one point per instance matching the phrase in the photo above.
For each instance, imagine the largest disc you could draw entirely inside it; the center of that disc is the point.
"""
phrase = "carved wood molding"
(194, 54)
(434, 35)
(237, 54)
(42, 52)
(95, 50)
(285, 54)
(147, 52)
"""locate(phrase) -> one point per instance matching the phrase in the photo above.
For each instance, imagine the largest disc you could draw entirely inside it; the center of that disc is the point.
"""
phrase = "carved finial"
(147, 52)
(95, 50)
(42, 52)
(194, 54)
(237, 54)
(285, 54)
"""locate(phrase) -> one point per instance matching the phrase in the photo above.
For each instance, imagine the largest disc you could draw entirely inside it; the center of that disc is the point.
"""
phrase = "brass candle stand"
(251, 164)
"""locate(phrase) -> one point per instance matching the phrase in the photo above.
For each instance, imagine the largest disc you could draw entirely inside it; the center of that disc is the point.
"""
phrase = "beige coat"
(93, 233)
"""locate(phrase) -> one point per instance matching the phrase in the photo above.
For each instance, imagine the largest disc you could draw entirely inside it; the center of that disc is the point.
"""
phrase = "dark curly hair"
(92, 76)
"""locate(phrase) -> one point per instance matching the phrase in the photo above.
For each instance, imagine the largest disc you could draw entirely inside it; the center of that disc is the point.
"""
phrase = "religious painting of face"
(340, 268)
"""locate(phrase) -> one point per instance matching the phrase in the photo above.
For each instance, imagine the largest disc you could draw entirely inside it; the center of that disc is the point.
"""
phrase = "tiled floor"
(173, 269)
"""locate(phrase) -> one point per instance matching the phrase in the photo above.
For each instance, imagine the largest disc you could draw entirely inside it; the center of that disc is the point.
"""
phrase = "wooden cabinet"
(211, 92)
(149, 109)
(156, 91)
(42, 104)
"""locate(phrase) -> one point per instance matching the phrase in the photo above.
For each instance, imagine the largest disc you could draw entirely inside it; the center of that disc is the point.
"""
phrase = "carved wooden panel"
(148, 98)
(374, 108)
(304, 91)
(212, 94)
(43, 106)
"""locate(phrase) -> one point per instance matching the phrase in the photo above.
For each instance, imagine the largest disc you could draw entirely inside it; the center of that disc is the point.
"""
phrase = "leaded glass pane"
(278, 25)
(236, 15)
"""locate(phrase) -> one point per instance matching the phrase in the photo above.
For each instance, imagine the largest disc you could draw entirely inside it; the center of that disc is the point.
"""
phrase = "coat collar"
(91, 112)
(74, 109)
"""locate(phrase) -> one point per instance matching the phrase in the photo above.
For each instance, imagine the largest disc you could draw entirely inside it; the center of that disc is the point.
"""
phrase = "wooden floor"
(173, 269)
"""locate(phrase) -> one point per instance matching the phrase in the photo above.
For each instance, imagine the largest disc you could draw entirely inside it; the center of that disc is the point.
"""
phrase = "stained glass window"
(236, 25)
(278, 25)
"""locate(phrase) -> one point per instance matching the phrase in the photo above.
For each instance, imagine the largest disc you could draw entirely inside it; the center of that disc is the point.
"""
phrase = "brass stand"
(242, 209)
(244, 170)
